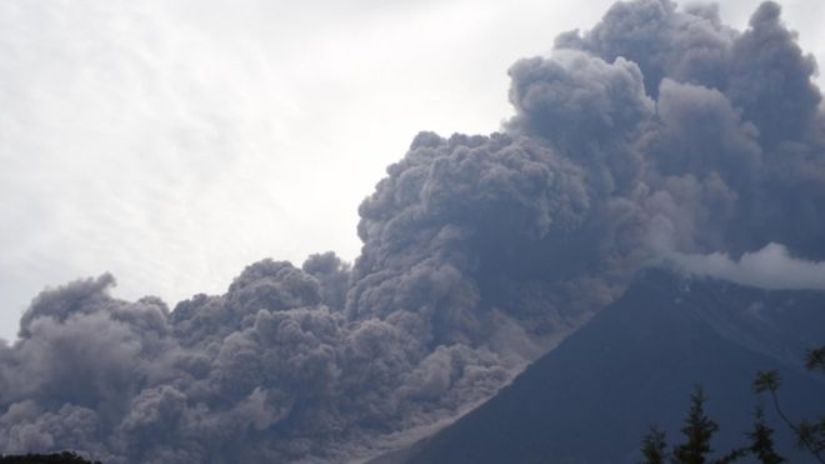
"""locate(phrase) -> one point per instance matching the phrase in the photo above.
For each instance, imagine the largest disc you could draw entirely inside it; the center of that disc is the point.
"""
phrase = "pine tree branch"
(733, 456)
(802, 437)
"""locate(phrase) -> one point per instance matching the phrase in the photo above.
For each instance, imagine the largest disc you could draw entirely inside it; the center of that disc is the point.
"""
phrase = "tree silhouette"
(762, 440)
(698, 429)
(654, 446)
(65, 457)
(810, 435)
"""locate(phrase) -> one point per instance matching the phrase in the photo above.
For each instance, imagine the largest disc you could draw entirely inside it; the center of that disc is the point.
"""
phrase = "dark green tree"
(654, 446)
(815, 360)
(698, 430)
(66, 457)
(810, 435)
(762, 440)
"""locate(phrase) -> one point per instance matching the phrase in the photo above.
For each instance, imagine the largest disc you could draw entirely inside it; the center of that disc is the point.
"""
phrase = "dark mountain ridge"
(591, 400)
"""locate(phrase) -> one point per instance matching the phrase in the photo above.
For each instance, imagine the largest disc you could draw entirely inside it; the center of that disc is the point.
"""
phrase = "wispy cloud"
(772, 267)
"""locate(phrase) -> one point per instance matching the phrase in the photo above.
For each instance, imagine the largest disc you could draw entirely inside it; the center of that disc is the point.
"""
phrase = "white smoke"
(772, 267)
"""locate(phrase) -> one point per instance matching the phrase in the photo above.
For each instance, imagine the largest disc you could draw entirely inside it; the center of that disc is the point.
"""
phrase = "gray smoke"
(660, 132)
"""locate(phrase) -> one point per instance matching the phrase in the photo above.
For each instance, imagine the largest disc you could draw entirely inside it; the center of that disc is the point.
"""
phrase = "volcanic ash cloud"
(660, 132)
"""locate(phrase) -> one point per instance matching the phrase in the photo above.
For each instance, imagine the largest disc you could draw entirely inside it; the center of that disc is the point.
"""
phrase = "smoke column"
(660, 132)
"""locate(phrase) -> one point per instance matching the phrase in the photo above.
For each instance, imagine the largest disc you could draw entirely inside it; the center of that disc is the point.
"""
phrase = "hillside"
(591, 400)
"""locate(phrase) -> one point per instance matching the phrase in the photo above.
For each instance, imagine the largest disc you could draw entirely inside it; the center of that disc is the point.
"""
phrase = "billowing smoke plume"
(659, 132)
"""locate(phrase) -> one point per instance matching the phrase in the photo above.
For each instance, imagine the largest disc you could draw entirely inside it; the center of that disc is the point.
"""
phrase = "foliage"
(810, 435)
(654, 446)
(699, 428)
(65, 457)
(761, 437)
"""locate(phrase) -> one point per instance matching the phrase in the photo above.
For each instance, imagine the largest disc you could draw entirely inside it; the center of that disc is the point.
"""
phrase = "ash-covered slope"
(592, 399)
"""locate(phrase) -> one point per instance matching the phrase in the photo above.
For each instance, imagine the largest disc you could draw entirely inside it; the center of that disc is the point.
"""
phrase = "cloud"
(772, 267)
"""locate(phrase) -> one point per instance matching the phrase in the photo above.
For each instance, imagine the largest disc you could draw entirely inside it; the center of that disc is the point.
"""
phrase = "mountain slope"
(592, 399)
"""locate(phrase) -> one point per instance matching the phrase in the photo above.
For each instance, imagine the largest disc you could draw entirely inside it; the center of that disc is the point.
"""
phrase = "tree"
(762, 440)
(698, 429)
(654, 446)
(66, 457)
(810, 435)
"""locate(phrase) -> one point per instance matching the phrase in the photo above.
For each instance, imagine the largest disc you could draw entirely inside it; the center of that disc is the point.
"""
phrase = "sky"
(173, 143)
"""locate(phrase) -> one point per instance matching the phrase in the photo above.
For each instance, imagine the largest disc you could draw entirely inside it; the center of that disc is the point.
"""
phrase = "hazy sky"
(172, 143)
